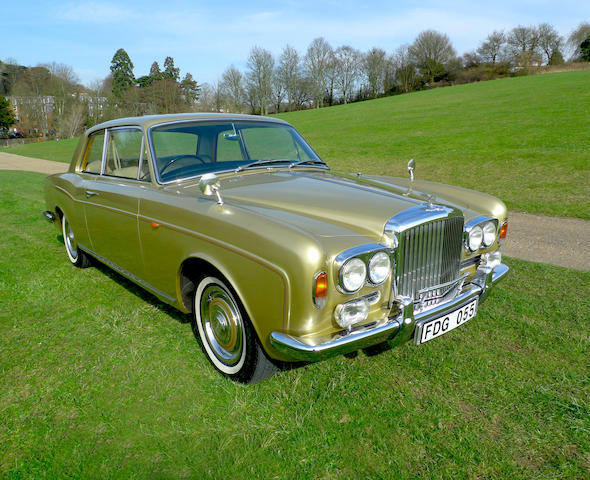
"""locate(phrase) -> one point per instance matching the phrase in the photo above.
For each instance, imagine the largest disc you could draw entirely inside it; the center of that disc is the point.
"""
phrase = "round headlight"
(489, 233)
(379, 267)
(475, 238)
(353, 274)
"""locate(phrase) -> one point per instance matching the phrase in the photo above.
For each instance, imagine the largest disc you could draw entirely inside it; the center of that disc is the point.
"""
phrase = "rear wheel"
(227, 337)
(76, 256)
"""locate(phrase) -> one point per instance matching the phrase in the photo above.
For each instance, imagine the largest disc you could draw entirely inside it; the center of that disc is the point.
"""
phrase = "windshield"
(189, 149)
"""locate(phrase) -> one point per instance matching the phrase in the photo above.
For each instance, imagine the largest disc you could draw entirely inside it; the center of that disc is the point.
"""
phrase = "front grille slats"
(430, 254)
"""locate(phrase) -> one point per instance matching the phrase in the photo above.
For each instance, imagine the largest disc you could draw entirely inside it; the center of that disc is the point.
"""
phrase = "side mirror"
(411, 168)
(209, 185)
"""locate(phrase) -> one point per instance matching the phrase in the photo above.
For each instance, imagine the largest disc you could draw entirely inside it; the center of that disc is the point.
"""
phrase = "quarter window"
(92, 161)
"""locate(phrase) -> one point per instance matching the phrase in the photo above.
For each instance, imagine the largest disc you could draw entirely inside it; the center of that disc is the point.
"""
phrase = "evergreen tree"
(190, 89)
(6, 115)
(122, 70)
(170, 71)
(155, 72)
(585, 49)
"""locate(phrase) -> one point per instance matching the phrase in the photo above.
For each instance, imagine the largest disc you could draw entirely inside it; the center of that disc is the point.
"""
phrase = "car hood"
(330, 204)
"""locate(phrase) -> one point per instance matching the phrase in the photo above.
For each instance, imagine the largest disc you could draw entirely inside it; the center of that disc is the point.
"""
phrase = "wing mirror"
(209, 185)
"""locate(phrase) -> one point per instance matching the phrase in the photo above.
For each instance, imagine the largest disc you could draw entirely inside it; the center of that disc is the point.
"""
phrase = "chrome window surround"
(229, 170)
(478, 221)
(364, 252)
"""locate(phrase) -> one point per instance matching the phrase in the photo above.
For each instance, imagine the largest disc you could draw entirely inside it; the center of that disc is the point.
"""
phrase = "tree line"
(50, 98)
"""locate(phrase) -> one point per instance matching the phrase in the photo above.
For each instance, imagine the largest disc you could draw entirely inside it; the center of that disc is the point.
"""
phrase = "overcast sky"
(204, 38)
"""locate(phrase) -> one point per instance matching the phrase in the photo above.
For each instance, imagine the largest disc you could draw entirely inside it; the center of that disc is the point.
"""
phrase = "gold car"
(237, 221)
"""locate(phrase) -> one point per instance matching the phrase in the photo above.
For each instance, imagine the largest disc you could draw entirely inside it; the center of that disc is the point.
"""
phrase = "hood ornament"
(430, 206)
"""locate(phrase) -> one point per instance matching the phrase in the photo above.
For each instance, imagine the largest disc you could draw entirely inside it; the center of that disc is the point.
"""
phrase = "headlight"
(348, 314)
(489, 233)
(353, 274)
(379, 268)
(475, 238)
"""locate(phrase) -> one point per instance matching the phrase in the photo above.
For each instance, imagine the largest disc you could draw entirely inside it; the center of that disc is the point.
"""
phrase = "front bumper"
(399, 328)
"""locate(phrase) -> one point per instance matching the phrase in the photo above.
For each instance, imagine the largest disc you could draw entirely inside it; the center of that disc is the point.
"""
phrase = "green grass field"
(100, 380)
(522, 139)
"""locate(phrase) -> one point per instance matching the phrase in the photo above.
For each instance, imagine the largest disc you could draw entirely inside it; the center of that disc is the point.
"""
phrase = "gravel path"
(558, 241)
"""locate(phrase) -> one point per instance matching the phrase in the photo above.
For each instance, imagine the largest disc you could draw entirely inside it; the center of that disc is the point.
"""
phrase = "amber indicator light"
(321, 285)
(155, 224)
(504, 230)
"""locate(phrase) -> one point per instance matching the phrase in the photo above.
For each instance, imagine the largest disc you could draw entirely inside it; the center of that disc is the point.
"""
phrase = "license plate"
(441, 325)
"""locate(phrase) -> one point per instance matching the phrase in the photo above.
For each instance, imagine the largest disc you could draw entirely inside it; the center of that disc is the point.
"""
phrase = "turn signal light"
(504, 230)
(321, 285)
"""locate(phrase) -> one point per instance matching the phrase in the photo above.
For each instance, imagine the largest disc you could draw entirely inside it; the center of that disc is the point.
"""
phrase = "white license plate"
(439, 326)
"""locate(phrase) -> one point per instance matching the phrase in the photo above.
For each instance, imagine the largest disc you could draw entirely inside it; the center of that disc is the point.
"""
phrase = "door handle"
(90, 193)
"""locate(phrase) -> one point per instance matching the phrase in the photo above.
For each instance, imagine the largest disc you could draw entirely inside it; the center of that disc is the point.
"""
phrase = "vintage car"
(237, 221)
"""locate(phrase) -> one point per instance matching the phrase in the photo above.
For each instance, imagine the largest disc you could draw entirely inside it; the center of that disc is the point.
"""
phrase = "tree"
(575, 39)
(405, 71)
(431, 51)
(122, 71)
(491, 48)
(347, 68)
(232, 85)
(155, 72)
(585, 49)
(170, 71)
(288, 73)
(190, 89)
(374, 69)
(549, 40)
(260, 71)
(6, 114)
(317, 63)
(523, 43)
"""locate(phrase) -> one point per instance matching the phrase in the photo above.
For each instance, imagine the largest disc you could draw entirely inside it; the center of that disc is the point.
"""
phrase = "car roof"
(147, 121)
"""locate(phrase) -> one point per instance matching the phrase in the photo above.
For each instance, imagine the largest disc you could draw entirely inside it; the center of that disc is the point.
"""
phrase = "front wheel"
(226, 335)
(76, 256)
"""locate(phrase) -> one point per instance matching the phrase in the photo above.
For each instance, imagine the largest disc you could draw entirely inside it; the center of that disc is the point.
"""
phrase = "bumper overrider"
(398, 328)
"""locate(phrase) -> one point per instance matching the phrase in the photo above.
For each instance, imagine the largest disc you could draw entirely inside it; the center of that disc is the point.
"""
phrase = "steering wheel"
(179, 157)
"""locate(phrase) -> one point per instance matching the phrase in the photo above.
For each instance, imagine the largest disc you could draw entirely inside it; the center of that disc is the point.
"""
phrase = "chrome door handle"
(90, 193)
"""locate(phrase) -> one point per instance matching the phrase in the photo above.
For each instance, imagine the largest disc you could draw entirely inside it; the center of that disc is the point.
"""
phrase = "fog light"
(351, 313)
(492, 259)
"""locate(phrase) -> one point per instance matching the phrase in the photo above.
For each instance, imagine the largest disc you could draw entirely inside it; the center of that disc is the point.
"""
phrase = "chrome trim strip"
(402, 327)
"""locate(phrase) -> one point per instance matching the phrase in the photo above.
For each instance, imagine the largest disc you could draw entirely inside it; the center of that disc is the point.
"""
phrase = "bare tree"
(405, 71)
(549, 40)
(317, 63)
(374, 70)
(232, 84)
(347, 69)
(575, 39)
(491, 48)
(523, 43)
(278, 90)
(261, 65)
(288, 73)
(431, 51)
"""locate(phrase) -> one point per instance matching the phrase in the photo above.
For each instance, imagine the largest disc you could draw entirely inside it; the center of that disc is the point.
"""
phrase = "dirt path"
(558, 241)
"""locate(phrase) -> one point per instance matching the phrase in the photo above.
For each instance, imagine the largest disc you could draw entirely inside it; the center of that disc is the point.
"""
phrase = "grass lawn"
(100, 380)
(58, 151)
(522, 139)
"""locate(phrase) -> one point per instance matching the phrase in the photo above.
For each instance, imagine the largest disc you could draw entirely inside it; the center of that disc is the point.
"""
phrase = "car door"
(112, 200)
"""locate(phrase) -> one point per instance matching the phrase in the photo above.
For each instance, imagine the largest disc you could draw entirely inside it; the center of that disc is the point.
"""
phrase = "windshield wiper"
(264, 161)
(311, 162)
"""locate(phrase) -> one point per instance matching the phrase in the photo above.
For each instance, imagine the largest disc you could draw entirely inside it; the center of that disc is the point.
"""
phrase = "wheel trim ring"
(70, 241)
(221, 328)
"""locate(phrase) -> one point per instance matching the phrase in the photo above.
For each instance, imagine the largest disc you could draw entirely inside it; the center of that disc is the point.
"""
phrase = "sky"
(205, 38)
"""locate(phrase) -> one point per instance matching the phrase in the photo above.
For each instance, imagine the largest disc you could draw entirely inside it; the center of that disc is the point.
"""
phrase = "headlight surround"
(489, 233)
(475, 239)
(379, 268)
(353, 274)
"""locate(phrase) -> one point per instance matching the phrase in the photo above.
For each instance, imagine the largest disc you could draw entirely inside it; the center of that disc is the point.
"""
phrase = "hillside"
(523, 139)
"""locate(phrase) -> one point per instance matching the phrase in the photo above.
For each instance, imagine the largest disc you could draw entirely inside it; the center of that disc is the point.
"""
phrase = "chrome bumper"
(398, 329)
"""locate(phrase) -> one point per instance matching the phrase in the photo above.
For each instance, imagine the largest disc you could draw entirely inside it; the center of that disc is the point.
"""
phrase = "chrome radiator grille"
(429, 255)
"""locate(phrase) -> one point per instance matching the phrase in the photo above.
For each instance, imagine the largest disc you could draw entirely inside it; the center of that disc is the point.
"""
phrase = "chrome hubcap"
(222, 324)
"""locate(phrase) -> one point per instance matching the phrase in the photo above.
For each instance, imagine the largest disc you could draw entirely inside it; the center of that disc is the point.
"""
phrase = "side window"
(124, 152)
(93, 155)
(228, 147)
